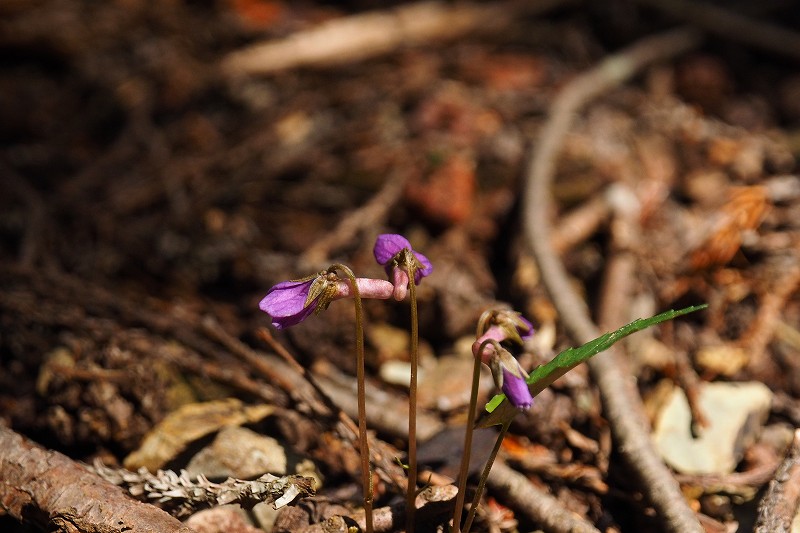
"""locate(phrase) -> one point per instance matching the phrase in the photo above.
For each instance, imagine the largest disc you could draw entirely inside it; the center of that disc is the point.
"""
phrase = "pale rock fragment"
(735, 413)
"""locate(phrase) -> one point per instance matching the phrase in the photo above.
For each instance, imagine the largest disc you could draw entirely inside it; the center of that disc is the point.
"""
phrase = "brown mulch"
(150, 198)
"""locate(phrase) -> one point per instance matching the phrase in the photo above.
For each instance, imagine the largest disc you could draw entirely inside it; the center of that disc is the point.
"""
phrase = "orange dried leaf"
(258, 14)
(743, 211)
(513, 447)
(448, 194)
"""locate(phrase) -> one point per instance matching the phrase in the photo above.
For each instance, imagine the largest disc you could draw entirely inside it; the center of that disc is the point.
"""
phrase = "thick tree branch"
(47, 489)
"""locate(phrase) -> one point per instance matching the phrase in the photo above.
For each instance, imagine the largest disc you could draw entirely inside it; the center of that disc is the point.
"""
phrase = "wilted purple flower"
(524, 328)
(396, 255)
(494, 327)
(517, 391)
(510, 377)
(501, 325)
(291, 302)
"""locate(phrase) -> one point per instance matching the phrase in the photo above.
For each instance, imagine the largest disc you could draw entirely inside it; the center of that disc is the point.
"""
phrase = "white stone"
(735, 413)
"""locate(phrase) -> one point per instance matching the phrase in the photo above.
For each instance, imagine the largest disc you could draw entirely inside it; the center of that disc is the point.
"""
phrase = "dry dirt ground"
(160, 171)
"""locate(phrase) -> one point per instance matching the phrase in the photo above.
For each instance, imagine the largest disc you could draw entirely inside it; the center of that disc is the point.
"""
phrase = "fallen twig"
(621, 401)
(53, 492)
(731, 25)
(540, 507)
(387, 413)
(368, 215)
(784, 281)
(365, 35)
(579, 224)
(780, 508)
(268, 367)
(687, 377)
(748, 482)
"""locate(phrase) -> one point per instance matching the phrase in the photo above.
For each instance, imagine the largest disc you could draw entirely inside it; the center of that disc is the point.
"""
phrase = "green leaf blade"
(501, 411)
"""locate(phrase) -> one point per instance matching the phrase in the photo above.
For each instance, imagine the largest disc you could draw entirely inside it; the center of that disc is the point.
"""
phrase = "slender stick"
(411, 491)
(366, 467)
(468, 432)
(621, 401)
(546, 511)
(484, 475)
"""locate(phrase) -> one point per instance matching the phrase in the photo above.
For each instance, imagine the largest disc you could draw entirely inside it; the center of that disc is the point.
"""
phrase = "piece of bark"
(780, 508)
(49, 490)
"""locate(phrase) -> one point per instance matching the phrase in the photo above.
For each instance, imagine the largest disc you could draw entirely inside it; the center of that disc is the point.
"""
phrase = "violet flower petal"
(526, 334)
(516, 390)
(389, 245)
(427, 267)
(286, 303)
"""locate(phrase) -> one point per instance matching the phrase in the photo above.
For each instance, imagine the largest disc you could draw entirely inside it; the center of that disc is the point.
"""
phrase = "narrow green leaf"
(496, 400)
(543, 376)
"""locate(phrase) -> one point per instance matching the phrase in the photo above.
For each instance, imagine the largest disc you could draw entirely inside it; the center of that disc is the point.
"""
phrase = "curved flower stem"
(411, 491)
(484, 475)
(468, 432)
(366, 467)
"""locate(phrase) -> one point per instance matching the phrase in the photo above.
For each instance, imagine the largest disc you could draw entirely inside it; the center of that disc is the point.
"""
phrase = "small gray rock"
(241, 453)
(735, 412)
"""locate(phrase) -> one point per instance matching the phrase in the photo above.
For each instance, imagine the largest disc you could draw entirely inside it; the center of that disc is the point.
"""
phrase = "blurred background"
(163, 164)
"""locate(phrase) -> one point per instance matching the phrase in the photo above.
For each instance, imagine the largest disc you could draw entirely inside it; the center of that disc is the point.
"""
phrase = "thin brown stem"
(484, 476)
(366, 468)
(411, 490)
(468, 432)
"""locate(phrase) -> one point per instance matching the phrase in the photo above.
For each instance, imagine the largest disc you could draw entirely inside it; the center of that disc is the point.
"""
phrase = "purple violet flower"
(395, 254)
(510, 377)
(291, 302)
(516, 390)
(494, 327)
(286, 303)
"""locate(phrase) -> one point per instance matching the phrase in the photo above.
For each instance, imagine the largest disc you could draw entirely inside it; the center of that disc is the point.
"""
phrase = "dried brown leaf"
(187, 424)
(743, 211)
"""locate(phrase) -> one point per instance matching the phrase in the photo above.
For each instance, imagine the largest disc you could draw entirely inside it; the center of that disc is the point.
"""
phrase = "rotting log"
(47, 489)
